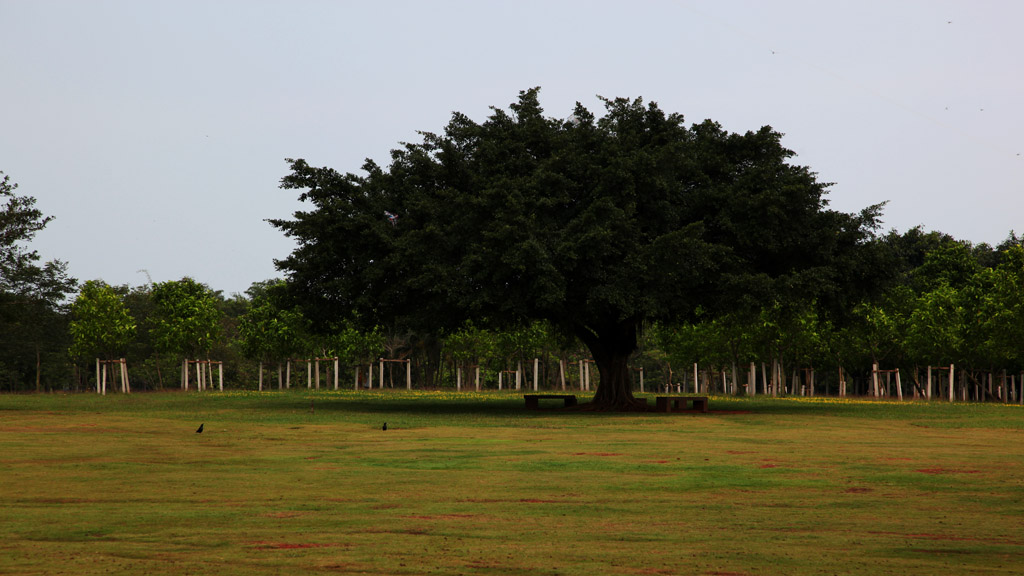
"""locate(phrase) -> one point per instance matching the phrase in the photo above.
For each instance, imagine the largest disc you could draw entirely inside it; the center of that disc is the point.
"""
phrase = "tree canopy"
(32, 293)
(101, 325)
(187, 321)
(594, 224)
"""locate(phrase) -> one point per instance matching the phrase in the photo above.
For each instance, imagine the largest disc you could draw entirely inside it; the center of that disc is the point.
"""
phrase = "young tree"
(593, 224)
(267, 331)
(187, 321)
(101, 325)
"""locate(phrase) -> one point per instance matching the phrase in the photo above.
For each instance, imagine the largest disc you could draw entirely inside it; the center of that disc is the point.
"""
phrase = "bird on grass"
(385, 426)
(200, 430)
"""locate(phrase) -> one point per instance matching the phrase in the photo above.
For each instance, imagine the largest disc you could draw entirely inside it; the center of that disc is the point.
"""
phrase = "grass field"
(474, 484)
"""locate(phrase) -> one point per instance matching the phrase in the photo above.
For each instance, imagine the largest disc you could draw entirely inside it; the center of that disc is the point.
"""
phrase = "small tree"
(101, 325)
(187, 320)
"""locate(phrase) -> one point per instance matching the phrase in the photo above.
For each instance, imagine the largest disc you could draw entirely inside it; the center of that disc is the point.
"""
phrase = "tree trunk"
(39, 370)
(159, 376)
(611, 347)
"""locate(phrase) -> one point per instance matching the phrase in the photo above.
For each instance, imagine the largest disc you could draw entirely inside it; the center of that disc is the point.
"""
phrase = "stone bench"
(533, 400)
(676, 403)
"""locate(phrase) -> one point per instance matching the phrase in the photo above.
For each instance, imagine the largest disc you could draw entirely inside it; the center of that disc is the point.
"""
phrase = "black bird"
(200, 430)
(385, 426)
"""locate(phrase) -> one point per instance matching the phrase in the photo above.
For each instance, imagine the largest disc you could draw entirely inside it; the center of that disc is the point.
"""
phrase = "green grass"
(474, 484)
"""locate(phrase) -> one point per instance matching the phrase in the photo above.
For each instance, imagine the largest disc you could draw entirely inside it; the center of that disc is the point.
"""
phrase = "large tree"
(32, 293)
(593, 224)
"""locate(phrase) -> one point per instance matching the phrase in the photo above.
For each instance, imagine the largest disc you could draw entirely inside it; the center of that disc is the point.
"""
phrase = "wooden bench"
(670, 403)
(533, 400)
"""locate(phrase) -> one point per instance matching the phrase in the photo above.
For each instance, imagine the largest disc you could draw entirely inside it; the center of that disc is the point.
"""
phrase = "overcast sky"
(156, 132)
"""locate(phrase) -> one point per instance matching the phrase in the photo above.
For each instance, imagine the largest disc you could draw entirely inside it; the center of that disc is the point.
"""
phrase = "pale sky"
(156, 132)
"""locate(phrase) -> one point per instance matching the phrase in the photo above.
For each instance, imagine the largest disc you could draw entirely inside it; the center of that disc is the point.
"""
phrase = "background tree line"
(940, 301)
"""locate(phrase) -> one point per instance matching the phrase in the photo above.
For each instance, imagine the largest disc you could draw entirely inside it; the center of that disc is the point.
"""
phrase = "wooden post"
(280, 377)
(586, 365)
(458, 377)
(641, 379)
(952, 375)
(316, 368)
(500, 372)
(561, 371)
(97, 375)
(752, 380)
(288, 373)
(260, 379)
(355, 383)
(103, 387)
(581, 375)
(810, 384)
(369, 376)
(309, 374)
(899, 385)
(124, 376)
(199, 376)
(928, 386)
(696, 382)
(764, 379)
(874, 379)
(477, 377)
(408, 374)
(381, 373)
(519, 374)
(184, 369)
(536, 373)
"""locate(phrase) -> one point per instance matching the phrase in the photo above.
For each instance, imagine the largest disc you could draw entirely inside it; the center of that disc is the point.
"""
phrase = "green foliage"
(101, 325)
(1003, 317)
(592, 224)
(471, 344)
(267, 331)
(33, 329)
(187, 320)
